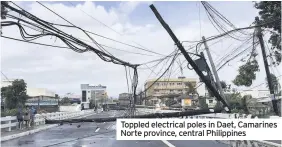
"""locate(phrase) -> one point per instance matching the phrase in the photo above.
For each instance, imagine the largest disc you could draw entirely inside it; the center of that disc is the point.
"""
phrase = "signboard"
(186, 102)
(41, 102)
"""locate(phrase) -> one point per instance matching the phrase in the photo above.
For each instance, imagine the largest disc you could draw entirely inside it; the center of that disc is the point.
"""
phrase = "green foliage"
(57, 96)
(65, 101)
(202, 103)
(234, 100)
(247, 73)
(275, 83)
(269, 11)
(11, 112)
(170, 102)
(15, 94)
(223, 84)
(191, 88)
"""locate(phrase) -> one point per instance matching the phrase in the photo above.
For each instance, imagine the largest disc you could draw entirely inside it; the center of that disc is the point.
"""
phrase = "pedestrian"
(33, 112)
(27, 117)
(20, 117)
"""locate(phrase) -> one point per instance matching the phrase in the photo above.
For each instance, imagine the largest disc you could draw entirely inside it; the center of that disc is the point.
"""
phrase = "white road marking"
(109, 126)
(168, 143)
(97, 129)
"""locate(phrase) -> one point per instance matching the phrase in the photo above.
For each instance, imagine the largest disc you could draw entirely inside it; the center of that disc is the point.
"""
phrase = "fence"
(10, 122)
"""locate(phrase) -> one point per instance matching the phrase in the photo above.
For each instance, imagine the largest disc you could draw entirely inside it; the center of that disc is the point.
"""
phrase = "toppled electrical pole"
(153, 115)
(269, 80)
(190, 60)
(218, 84)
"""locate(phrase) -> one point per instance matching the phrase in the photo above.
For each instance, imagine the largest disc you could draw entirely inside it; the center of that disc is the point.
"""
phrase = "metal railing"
(9, 123)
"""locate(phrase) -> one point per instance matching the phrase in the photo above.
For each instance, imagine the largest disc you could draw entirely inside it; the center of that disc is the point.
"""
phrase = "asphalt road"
(94, 135)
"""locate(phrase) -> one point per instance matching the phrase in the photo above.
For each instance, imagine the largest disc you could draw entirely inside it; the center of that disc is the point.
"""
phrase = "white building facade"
(92, 92)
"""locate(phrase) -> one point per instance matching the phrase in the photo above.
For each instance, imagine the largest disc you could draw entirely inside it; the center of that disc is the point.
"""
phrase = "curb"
(9, 137)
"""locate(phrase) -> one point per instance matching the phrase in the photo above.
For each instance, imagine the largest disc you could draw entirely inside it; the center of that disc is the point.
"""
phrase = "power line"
(5, 76)
(136, 47)
(74, 26)
(69, 47)
(96, 19)
(105, 25)
(100, 43)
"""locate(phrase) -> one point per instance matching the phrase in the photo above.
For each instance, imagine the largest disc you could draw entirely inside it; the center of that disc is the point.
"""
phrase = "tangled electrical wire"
(47, 29)
(219, 21)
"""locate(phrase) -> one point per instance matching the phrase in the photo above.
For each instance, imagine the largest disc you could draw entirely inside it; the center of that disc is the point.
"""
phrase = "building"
(256, 93)
(96, 93)
(34, 92)
(41, 97)
(176, 86)
(124, 99)
(6, 83)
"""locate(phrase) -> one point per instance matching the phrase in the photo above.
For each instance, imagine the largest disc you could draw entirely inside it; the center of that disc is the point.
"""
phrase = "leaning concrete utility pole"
(269, 80)
(214, 69)
(189, 59)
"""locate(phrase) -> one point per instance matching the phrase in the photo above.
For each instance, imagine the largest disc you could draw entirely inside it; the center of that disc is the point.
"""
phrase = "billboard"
(186, 102)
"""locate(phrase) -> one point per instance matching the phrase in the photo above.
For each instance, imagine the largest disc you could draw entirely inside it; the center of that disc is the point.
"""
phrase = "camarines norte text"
(147, 129)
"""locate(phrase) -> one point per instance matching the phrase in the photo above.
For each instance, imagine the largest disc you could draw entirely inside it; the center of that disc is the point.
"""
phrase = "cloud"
(63, 70)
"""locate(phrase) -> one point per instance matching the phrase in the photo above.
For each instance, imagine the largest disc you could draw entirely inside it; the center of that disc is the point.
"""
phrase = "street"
(93, 134)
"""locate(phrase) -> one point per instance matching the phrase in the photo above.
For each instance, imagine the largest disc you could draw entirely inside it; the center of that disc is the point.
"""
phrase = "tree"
(247, 73)
(268, 11)
(275, 83)
(223, 85)
(191, 88)
(65, 101)
(202, 103)
(235, 101)
(15, 94)
(57, 96)
(170, 102)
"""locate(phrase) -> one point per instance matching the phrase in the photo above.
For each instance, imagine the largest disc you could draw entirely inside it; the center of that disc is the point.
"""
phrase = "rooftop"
(180, 79)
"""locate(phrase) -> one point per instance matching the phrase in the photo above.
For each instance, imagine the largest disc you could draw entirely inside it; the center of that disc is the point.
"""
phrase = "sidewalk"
(27, 131)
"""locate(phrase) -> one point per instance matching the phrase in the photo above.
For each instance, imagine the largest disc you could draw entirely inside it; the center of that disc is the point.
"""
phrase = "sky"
(63, 70)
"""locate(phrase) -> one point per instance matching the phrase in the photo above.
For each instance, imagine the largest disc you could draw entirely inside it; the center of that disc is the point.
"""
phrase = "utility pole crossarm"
(189, 59)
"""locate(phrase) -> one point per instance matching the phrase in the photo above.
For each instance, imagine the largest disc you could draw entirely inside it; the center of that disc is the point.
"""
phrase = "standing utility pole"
(214, 69)
(189, 59)
(270, 82)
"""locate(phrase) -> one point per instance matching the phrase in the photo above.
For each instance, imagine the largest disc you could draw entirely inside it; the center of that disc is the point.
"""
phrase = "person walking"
(33, 113)
(27, 117)
(20, 117)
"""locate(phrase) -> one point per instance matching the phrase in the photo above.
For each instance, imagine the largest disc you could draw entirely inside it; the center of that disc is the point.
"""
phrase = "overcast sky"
(63, 70)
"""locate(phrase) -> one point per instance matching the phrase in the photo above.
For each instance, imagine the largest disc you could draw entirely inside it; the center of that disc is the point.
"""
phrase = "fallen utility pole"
(214, 69)
(269, 81)
(153, 115)
(190, 60)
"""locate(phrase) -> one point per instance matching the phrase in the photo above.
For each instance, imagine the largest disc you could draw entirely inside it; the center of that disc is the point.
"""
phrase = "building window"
(210, 101)
(179, 90)
(156, 90)
(83, 96)
(88, 91)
